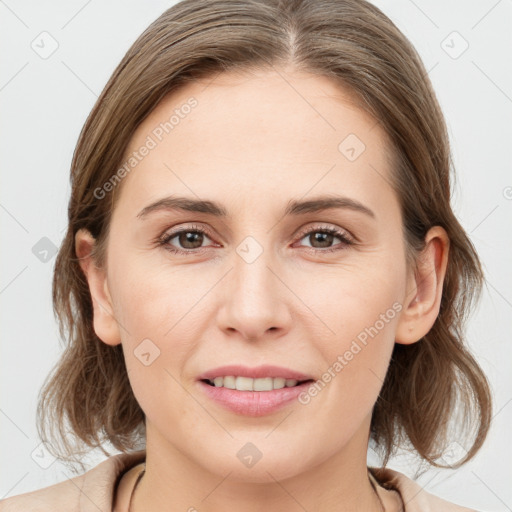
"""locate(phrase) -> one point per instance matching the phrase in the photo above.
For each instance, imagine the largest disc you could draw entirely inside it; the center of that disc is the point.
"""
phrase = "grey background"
(44, 101)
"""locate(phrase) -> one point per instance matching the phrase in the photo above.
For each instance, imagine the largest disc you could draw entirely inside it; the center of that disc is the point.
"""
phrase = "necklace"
(139, 478)
(374, 487)
(141, 474)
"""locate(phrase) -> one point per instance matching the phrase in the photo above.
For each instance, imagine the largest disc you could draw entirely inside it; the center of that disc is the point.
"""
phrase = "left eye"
(324, 238)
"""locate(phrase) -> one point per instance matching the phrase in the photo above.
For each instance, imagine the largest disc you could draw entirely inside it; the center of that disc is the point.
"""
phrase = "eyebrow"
(294, 207)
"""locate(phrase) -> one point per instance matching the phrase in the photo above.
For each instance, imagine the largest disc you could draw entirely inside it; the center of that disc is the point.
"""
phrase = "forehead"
(264, 133)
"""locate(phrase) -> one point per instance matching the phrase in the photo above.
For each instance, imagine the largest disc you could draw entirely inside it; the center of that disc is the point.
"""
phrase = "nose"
(255, 303)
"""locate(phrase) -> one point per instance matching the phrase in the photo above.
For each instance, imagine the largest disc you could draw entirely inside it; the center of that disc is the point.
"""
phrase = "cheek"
(351, 298)
(152, 296)
(155, 309)
(361, 313)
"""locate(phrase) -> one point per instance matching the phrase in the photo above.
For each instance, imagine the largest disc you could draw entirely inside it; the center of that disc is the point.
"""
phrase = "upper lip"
(257, 372)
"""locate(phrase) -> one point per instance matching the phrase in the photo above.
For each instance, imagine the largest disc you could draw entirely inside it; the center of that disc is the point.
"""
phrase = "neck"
(174, 481)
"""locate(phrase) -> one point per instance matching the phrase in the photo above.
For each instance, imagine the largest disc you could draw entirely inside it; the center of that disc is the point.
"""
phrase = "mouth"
(256, 397)
(253, 391)
(241, 383)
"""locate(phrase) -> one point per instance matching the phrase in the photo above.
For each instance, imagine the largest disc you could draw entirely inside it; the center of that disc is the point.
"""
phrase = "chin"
(263, 472)
(255, 462)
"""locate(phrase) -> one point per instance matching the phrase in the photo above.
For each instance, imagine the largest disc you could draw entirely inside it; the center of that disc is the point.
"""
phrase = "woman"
(262, 271)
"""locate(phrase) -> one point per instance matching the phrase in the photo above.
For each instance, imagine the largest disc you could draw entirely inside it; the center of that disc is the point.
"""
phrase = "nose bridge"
(254, 284)
(255, 301)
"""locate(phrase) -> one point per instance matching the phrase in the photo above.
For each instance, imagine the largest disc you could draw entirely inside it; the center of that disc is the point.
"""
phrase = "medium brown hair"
(88, 394)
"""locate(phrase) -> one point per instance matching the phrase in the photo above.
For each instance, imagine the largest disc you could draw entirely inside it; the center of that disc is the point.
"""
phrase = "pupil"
(323, 238)
(189, 238)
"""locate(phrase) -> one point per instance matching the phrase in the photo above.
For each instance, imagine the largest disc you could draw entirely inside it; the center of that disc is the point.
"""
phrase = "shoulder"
(92, 491)
(414, 497)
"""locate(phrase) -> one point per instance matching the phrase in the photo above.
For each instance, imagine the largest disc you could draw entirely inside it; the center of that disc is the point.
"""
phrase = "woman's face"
(259, 275)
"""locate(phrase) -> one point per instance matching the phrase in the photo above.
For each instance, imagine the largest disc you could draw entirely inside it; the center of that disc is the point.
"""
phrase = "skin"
(254, 142)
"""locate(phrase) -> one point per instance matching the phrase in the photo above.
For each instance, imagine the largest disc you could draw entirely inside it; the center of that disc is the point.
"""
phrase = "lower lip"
(253, 403)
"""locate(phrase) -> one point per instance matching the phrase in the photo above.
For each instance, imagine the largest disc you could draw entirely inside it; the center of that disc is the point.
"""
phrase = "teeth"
(278, 383)
(248, 384)
(266, 384)
(244, 384)
(229, 382)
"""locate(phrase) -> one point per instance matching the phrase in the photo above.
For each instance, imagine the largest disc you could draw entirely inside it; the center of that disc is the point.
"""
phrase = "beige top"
(108, 486)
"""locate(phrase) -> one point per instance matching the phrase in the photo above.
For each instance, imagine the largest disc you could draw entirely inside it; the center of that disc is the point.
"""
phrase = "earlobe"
(424, 289)
(105, 324)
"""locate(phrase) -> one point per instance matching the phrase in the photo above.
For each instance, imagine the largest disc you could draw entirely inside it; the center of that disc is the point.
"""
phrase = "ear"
(105, 324)
(424, 288)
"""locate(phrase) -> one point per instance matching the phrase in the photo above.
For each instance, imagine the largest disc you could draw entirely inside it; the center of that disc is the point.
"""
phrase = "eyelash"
(164, 239)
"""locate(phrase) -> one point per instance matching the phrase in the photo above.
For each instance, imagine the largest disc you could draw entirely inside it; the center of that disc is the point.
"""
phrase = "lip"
(258, 372)
(253, 403)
